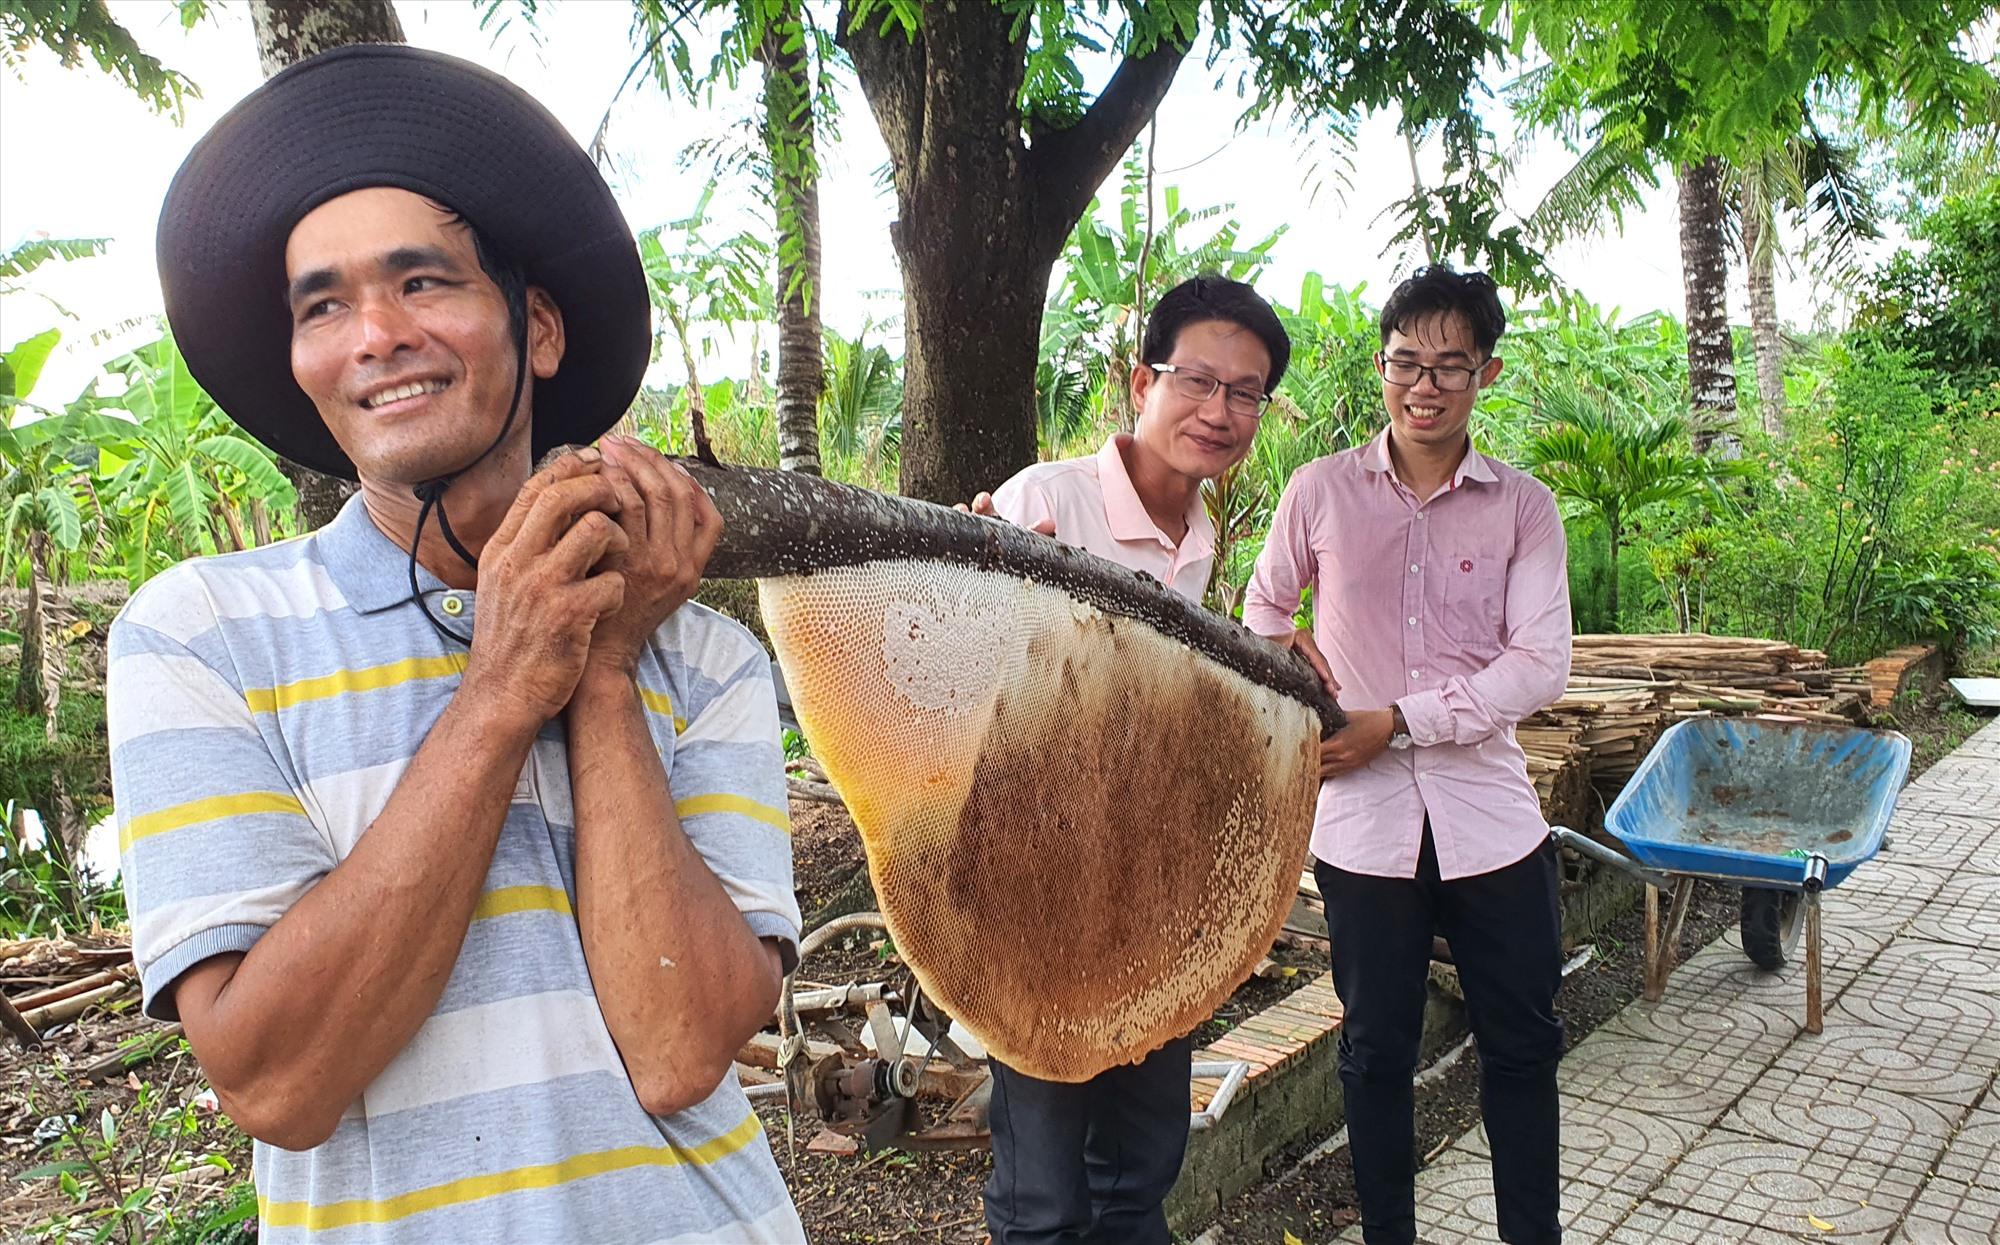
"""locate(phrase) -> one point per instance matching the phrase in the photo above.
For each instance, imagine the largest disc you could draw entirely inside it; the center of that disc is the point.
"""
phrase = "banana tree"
(696, 283)
(1111, 277)
(42, 519)
(185, 474)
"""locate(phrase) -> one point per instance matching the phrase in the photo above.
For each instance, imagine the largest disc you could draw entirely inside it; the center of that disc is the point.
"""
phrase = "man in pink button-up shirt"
(1093, 1162)
(1441, 607)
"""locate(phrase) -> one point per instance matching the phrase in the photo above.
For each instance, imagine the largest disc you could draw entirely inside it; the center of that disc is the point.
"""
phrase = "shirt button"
(1416, 674)
(1413, 621)
(454, 605)
(1414, 568)
(1423, 514)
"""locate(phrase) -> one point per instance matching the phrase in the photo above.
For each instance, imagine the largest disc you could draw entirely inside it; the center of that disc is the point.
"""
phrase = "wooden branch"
(816, 792)
(56, 994)
(18, 1025)
(119, 1062)
(1067, 166)
(778, 523)
(70, 1008)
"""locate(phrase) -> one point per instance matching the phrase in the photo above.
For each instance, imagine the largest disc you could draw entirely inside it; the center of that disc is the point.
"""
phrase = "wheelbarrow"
(1783, 809)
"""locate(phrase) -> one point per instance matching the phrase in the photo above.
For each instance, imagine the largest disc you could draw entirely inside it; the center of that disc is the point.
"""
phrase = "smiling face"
(401, 340)
(1422, 414)
(1201, 440)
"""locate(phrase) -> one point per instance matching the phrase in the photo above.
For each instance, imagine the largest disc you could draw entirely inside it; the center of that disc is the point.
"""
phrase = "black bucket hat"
(390, 115)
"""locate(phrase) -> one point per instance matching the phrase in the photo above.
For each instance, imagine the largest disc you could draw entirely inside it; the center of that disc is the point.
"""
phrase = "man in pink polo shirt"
(1441, 606)
(1094, 1162)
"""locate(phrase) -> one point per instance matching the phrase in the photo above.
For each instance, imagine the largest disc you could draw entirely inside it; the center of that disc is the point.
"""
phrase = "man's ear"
(1491, 371)
(546, 342)
(1141, 383)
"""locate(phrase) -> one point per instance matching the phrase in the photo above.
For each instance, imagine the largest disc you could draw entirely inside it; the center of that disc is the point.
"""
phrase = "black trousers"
(1090, 1162)
(1505, 931)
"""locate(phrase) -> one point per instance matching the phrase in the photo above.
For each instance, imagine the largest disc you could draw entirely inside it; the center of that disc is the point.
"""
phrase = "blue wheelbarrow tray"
(1759, 802)
(1751, 801)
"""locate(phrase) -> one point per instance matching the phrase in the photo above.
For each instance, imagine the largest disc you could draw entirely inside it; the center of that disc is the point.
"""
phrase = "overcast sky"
(83, 157)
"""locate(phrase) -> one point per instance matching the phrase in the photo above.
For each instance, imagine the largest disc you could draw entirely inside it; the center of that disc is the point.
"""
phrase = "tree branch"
(1067, 166)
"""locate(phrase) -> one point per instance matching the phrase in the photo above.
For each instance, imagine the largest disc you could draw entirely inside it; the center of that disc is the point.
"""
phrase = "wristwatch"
(1399, 730)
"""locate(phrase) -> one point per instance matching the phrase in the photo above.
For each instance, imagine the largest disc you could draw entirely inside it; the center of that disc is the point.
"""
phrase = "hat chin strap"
(431, 494)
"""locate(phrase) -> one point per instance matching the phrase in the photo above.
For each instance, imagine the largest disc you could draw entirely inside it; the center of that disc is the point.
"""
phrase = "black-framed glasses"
(1200, 387)
(1403, 374)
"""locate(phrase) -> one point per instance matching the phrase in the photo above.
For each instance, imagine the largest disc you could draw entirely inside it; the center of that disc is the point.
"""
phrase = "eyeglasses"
(1200, 387)
(1403, 374)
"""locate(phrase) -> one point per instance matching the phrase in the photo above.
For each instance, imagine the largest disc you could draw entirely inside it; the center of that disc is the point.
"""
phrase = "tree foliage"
(73, 29)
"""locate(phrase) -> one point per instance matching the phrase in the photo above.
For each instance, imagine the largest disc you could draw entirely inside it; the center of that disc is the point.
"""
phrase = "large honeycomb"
(1083, 834)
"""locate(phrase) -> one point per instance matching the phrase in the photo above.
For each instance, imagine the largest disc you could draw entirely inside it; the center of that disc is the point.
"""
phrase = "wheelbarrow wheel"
(1772, 920)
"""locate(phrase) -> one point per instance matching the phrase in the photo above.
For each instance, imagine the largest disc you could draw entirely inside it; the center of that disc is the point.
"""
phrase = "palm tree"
(860, 413)
(1705, 288)
(789, 146)
(1816, 182)
(1612, 457)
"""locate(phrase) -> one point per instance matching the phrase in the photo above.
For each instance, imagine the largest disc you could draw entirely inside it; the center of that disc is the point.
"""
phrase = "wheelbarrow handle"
(1815, 879)
(1587, 846)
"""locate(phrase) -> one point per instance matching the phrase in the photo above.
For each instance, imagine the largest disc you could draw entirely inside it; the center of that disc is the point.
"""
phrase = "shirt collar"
(1472, 467)
(1126, 515)
(367, 567)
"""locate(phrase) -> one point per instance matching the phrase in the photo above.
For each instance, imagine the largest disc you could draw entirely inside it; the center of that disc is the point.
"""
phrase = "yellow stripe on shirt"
(722, 802)
(214, 808)
(523, 899)
(520, 1179)
(341, 682)
(662, 704)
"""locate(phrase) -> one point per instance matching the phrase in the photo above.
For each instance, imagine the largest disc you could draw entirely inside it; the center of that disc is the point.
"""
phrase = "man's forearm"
(682, 980)
(293, 1031)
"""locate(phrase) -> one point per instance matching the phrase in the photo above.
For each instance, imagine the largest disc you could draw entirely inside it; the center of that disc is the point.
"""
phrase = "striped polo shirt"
(262, 707)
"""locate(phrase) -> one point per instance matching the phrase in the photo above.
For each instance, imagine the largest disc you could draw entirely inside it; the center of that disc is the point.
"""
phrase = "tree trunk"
(288, 31)
(291, 30)
(982, 217)
(788, 139)
(1705, 280)
(31, 691)
(1760, 254)
(1617, 531)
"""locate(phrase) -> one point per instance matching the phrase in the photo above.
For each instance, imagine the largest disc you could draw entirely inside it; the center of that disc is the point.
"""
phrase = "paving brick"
(1631, 1074)
(1934, 1061)
(1961, 1020)
(1966, 911)
(1937, 839)
(1934, 967)
(1883, 894)
(1654, 1224)
(1746, 1029)
(1611, 1147)
(1973, 1157)
(1455, 1205)
(1838, 1118)
(1950, 1213)
(1776, 1186)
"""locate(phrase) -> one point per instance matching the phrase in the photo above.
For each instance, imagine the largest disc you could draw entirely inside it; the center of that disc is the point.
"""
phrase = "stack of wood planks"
(1625, 690)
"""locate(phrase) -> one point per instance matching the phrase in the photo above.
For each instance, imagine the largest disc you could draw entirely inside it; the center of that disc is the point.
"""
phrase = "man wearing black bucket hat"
(452, 832)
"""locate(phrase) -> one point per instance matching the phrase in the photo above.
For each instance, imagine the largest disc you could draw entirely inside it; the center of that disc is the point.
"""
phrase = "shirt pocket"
(1473, 605)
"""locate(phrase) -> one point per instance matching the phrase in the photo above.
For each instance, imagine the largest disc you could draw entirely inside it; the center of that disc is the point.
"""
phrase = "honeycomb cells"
(1083, 834)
